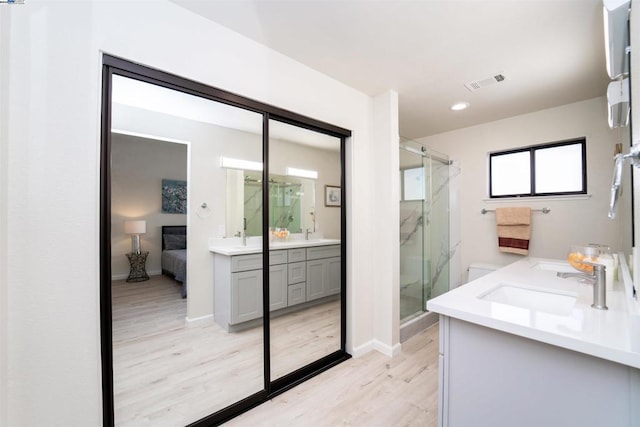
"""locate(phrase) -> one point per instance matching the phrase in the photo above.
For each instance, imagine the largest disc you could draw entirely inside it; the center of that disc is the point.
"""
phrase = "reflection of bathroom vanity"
(301, 274)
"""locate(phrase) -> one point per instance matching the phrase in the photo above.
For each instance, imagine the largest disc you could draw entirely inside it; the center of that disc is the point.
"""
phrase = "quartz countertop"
(233, 246)
(612, 334)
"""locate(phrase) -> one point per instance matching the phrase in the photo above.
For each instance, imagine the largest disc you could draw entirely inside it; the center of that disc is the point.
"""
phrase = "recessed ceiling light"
(459, 106)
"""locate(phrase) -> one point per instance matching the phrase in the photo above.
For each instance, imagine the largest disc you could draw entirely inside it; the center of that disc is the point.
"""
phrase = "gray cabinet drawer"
(246, 262)
(296, 294)
(278, 257)
(297, 272)
(254, 261)
(319, 252)
(297, 255)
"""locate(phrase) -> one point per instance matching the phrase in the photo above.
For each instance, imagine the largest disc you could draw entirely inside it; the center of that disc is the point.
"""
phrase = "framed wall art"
(174, 196)
(332, 196)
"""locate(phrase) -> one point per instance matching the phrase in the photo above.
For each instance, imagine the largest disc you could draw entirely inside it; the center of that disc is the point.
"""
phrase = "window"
(413, 184)
(559, 168)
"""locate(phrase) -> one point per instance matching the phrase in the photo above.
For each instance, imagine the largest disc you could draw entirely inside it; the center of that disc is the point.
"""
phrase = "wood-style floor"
(167, 373)
(372, 391)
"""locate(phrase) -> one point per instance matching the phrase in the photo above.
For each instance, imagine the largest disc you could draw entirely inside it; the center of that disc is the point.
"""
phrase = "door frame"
(113, 65)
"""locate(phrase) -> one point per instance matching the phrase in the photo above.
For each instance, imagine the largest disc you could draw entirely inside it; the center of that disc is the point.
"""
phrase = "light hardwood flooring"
(372, 390)
(167, 373)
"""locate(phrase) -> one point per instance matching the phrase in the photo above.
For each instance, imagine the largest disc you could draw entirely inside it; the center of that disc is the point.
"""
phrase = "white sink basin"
(548, 301)
(560, 267)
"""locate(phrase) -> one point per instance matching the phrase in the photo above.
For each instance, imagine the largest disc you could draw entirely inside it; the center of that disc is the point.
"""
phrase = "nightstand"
(138, 271)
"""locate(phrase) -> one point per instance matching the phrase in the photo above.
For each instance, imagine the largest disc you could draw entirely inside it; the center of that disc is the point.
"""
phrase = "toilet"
(478, 269)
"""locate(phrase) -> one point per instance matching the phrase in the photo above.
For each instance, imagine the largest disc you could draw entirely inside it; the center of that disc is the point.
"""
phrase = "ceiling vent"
(479, 84)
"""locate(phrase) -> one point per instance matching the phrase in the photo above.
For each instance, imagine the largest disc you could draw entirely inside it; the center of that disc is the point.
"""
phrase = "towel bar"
(543, 210)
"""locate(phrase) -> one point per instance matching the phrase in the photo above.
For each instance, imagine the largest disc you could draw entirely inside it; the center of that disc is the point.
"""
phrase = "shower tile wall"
(429, 236)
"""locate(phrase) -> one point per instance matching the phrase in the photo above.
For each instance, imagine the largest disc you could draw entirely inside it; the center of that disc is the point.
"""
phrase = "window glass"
(413, 184)
(511, 174)
(558, 169)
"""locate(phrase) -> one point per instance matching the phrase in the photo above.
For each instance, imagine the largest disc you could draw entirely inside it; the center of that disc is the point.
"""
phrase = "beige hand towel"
(514, 229)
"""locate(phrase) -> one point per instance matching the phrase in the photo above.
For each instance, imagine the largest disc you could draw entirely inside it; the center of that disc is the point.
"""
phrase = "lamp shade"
(135, 227)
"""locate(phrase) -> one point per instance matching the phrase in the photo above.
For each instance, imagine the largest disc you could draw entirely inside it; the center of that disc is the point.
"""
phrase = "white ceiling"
(551, 51)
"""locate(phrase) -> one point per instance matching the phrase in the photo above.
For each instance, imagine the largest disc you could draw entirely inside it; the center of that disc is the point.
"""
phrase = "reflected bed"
(174, 254)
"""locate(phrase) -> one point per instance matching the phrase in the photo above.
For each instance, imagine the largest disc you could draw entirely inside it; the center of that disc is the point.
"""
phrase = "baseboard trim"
(198, 321)
(362, 349)
(379, 346)
(387, 350)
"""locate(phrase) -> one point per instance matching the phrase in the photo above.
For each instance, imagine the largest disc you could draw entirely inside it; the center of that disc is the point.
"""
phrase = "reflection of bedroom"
(138, 167)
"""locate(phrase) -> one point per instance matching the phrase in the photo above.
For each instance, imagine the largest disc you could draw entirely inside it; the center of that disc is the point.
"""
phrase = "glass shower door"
(412, 234)
(424, 230)
(437, 228)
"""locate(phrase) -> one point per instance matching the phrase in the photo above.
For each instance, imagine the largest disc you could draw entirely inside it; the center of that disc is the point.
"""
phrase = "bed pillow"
(174, 241)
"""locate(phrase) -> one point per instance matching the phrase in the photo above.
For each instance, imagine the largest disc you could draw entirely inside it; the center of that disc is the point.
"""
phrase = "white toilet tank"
(478, 269)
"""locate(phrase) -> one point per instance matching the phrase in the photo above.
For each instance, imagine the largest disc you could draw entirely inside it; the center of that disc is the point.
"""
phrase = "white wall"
(4, 188)
(138, 166)
(51, 199)
(385, 260)
(575, 220)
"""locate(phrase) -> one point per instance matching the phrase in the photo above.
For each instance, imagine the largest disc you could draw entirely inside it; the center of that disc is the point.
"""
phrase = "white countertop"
(233, 246)
(612, 334)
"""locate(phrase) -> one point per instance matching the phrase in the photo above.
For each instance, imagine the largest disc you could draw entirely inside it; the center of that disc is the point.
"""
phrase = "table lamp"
(135, 228)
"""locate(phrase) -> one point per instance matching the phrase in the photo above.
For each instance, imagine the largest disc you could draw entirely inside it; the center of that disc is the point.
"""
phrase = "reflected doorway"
(193, 346)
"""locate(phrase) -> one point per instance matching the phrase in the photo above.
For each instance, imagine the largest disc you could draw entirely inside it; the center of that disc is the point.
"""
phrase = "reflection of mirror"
(291, 203)
(155, 349)
(201, 331)
(312, 331)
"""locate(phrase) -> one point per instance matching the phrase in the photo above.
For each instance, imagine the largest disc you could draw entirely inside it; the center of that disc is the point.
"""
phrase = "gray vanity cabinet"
(277, 287)
(323, 271)
(246, 296)
(296, 276)
(238, 287)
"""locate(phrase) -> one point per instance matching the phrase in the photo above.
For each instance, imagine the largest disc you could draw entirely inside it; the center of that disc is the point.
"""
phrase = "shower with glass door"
(424, 228)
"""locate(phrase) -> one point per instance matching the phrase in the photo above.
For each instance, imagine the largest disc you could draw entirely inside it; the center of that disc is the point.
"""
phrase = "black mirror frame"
(113, 65)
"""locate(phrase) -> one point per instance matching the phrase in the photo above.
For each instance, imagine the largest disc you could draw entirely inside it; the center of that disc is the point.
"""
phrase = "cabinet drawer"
(297, 272)
(254, 261)
(246, 262)
(296, 294)
(277, 257)
(297, 255)
(323, 252)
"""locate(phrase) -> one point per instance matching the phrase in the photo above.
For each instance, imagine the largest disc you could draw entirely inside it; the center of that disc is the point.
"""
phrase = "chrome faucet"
(599, 282)
(306, 234)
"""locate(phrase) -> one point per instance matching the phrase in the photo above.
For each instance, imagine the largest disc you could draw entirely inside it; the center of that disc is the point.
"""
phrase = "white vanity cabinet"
(550, 359)
(494, 378)
(323, 272)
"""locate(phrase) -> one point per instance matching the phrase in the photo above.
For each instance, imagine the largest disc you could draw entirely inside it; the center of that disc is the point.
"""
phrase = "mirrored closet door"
(168, 176)
(195, 184)
(304, 219)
